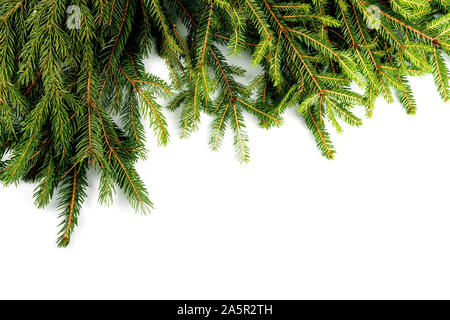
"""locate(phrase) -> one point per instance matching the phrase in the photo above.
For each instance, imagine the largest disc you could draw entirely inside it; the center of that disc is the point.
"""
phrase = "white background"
(373, 223)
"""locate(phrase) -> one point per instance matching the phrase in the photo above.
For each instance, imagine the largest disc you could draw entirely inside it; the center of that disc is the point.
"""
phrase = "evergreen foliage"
(74, 91)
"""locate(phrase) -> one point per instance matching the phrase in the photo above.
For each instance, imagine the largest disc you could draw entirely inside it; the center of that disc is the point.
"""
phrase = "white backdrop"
(373, 223)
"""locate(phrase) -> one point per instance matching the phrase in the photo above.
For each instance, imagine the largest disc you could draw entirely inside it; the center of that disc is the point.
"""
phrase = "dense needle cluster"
(74, 91)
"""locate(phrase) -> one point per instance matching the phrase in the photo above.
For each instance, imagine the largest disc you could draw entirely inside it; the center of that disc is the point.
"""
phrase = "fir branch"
(73, 98)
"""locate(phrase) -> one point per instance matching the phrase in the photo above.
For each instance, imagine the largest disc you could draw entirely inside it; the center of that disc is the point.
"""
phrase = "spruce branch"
(74, 90)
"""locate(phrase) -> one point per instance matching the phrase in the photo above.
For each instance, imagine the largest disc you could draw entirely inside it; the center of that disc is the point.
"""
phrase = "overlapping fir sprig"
(74, 91)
